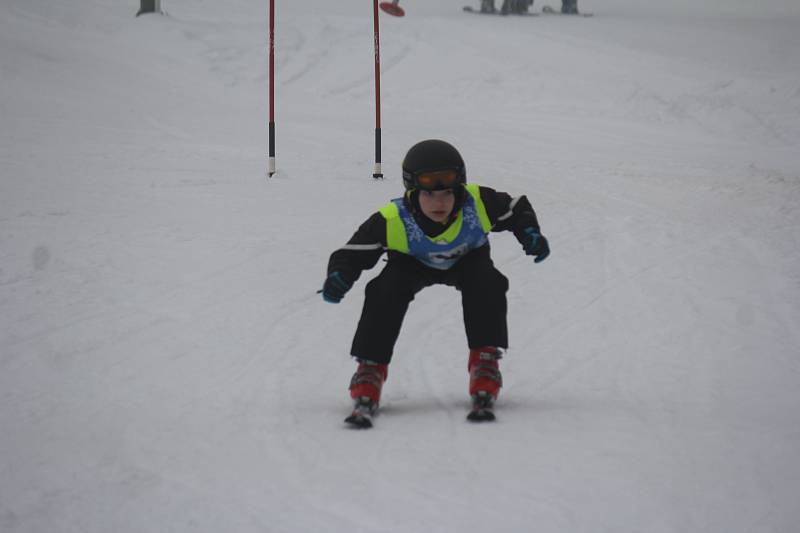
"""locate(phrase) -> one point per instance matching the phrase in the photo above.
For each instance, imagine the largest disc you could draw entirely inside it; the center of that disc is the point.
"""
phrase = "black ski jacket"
(368, 243)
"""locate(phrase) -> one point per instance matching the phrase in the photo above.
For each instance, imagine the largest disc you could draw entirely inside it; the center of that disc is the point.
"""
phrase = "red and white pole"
(395, 10)
(377, 173)
(271, 169)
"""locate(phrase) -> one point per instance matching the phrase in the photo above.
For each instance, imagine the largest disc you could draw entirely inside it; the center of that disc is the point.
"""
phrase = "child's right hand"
(335, 288)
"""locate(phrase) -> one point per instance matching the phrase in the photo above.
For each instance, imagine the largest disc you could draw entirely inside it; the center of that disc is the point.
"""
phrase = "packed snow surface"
(167, 366)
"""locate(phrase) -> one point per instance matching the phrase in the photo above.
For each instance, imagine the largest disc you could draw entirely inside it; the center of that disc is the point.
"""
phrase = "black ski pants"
(483, 299)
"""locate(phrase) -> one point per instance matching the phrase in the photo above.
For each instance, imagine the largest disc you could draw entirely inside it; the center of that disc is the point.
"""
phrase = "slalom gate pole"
(377, 172)
(271, 169)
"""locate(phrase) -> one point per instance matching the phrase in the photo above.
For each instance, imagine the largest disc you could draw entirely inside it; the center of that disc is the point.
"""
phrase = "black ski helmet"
(432, 156)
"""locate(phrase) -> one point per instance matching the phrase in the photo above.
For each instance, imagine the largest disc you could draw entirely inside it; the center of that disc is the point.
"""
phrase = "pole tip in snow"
(392, 8)
(271, 166)
(377, 173)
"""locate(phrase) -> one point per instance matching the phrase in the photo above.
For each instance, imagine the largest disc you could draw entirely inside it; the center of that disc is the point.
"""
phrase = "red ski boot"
(485, 381)
(365, 389)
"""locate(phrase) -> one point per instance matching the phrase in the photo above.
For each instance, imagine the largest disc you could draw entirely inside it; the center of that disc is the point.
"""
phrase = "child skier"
(435, 234)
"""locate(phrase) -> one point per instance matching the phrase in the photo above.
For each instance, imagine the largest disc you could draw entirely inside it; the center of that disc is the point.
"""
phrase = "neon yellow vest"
(450, 244)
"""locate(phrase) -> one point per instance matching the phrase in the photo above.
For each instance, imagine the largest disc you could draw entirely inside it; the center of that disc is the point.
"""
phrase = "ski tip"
(481, 415)
(482, 408)
(361, 417)
(358, 422)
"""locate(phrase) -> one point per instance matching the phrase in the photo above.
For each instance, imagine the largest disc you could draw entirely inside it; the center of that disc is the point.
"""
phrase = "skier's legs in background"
(520, 7)
(569, 7)
(487, 6)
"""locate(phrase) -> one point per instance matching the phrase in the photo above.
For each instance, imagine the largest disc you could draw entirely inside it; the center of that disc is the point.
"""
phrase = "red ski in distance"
(392, 8)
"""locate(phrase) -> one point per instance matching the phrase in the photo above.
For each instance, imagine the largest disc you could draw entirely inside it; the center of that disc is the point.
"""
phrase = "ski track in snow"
(166, 362)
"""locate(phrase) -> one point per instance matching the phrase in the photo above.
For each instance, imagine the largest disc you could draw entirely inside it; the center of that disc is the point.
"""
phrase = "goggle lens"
(441, 179)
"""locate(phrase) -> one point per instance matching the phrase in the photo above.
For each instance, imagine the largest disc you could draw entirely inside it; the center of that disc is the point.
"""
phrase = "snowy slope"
(165, 363)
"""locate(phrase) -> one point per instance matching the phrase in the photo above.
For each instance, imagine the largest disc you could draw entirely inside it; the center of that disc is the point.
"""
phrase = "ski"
(549, 10)
(470, 9)
(482, 408)
(363, 411)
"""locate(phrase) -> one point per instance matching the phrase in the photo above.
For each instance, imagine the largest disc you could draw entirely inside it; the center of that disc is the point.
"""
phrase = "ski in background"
(550, 10)
(470, 9)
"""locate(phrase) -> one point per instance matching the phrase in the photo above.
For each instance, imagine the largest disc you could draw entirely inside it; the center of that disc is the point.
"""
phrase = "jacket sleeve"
(509, 213)
(362, 251)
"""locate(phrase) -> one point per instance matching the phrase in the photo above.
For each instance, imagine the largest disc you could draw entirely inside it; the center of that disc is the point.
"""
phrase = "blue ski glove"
(536, 244)
(335, 288)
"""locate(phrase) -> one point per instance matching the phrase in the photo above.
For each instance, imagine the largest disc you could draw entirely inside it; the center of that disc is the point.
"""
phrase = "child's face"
(437, 205)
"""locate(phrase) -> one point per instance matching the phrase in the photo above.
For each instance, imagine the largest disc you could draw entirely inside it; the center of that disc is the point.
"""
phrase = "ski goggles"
(440, 179)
